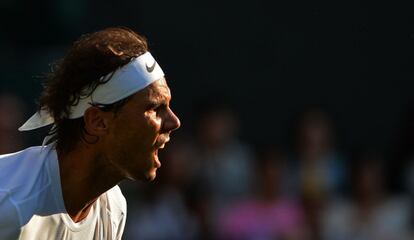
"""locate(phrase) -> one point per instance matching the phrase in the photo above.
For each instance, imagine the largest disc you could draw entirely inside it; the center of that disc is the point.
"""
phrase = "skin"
(127, 148)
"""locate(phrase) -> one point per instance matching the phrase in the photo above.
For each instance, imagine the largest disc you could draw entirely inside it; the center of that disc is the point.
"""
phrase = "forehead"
(158, 91)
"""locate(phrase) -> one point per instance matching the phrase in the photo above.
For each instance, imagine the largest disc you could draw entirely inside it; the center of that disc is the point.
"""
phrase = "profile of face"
(139, 130)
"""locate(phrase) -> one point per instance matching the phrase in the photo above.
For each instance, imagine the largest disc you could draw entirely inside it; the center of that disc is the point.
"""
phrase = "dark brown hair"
(92, 56)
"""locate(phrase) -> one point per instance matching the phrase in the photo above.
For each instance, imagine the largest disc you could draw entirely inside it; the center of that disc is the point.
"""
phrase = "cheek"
(152, 122)
(139, 132)
(144, 132)
(155, 124)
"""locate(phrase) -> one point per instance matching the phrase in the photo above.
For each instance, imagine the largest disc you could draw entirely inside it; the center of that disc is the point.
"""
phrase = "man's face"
(139, 130)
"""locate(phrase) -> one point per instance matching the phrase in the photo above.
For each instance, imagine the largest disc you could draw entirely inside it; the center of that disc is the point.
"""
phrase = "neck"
(85, 175)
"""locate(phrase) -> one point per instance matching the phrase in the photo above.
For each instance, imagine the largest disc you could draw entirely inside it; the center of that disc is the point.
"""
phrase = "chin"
(150, 175)
(150, 179)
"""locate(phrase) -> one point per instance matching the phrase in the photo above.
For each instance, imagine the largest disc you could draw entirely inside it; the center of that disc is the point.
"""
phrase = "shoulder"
(29, 156)
(10, 159)
(23, 182)
(16, 169)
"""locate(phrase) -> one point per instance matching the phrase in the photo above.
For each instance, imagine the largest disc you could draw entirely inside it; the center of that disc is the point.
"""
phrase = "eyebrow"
(160, 96)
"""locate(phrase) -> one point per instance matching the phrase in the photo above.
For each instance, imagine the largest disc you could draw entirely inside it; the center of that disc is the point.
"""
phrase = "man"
(108, 103)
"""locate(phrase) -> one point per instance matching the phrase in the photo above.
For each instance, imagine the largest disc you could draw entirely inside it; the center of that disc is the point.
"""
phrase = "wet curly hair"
(92, 56)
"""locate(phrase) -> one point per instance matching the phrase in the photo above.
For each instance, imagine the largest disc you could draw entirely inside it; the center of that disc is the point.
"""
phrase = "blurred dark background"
(269, 59)
(295, 80)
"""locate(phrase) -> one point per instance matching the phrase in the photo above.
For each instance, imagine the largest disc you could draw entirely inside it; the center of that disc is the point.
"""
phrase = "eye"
(160, 107)
(153, 106)
(157, 108)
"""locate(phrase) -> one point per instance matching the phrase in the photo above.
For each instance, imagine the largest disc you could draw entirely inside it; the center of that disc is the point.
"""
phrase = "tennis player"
(107, 101)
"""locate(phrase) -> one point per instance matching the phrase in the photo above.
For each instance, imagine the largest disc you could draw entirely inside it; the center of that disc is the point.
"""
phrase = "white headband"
(127, 80)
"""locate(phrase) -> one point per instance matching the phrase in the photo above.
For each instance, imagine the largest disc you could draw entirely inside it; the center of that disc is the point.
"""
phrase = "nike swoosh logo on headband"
(151, 68)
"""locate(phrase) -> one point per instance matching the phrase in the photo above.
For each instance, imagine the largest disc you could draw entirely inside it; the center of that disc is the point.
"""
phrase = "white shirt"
(32, 206)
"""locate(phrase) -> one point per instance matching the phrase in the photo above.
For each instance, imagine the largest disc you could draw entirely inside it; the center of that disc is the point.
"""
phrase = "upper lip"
(162, 143)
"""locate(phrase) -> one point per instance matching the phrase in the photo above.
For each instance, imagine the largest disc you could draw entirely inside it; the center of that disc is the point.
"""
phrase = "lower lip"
(157, 163)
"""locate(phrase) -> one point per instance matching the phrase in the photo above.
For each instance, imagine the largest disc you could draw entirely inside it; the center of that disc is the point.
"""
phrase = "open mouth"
(159, 146)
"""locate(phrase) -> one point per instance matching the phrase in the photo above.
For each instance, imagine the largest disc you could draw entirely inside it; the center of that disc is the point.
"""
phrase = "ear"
(96, 121)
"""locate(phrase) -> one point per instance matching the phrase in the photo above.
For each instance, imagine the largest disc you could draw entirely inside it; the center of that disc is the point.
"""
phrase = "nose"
(172, 122)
